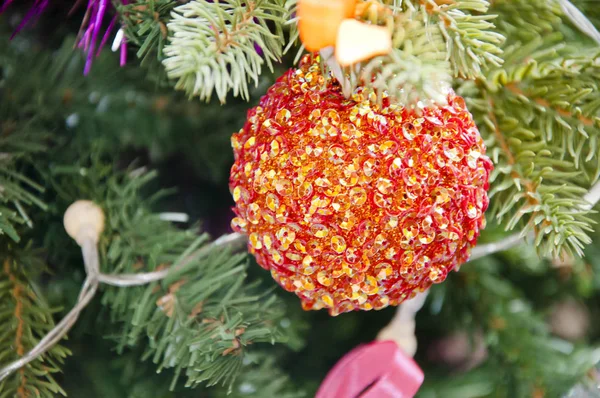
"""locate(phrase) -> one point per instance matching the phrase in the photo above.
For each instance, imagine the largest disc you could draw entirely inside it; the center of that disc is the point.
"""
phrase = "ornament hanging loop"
(327, 55)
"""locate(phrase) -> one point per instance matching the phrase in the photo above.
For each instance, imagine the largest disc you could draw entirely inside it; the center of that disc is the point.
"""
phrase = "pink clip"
(375, 370)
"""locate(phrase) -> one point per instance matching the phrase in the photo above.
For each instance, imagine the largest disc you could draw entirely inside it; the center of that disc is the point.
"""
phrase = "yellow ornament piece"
(358, 41)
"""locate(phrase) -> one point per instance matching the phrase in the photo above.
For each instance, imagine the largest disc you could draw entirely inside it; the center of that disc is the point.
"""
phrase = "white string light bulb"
(84, 220)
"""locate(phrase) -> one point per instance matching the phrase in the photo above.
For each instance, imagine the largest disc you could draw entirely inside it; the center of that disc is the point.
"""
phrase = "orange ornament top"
(352, 205)
(319, 21)
(326, 23)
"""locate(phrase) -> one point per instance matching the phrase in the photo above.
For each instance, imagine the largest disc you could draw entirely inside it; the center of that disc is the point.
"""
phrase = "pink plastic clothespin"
(375, 370)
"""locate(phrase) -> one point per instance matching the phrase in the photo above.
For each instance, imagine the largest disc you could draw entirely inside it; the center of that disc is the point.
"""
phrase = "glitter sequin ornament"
(352, 205)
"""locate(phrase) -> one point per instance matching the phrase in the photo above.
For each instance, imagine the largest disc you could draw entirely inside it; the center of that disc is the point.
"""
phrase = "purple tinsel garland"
(90, 29)
(89, 32)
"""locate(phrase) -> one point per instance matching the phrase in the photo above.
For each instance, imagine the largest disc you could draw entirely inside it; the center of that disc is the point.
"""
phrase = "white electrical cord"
(401, 329)
(84, 222)
(579, 19)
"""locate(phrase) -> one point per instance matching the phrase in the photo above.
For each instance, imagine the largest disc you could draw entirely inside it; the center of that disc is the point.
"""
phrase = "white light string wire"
(579, 19)
(400, 325)
(401, 328)
(90, 255)
(234, 240)
(87, 236)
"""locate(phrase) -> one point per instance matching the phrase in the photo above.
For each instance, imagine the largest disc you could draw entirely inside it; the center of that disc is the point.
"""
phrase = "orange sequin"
(354, 205)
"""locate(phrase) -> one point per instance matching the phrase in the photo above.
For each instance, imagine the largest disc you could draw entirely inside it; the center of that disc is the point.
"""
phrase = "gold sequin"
(338, 244)
(255, 241)
(284, 187)
(358, 196)
(319, 230)
(239, 224)
(324, 278)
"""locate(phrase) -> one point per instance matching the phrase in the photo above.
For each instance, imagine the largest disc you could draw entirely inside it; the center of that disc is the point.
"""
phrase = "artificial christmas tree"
(152, 293)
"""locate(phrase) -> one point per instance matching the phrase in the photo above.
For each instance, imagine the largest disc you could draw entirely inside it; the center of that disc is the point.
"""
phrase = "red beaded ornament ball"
(354, 205)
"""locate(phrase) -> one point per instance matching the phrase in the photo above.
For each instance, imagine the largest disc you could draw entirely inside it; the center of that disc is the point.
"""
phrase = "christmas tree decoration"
(324, 24)
(351, 204)
(84, 220)
(358, 41)
(402, 327)
(89, 39)
(375, 370)
(90, 31)
(319, 21)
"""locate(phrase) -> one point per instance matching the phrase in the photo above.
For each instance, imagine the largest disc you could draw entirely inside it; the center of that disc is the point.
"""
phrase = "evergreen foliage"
(417, 68)
(25, 319)
(18, 192)
(22, 137)
(204, 317)
(231, 316)
(529, 76)
(146, 25)
(524, 358)
(221, 46)
(540, 115)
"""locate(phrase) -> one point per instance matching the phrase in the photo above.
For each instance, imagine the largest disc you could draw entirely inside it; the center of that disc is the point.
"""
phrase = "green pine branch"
(19, 142)
(533, 189)
(261, 379)
(540, 115)
(51, 100)
(525, 20)
(433, 42)
(472, 43)
(97, 372)
(101, 115)
(524, 358)
(213, 45)
(22, 137)
(545, 364)
(25, 319)
(204, 318)
(416, 68)
(201, 320)
(145, 24)
(292, 23)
